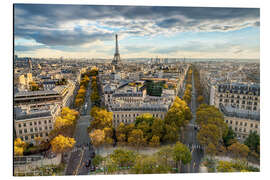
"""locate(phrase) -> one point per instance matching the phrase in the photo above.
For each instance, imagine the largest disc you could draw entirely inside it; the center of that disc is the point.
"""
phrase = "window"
(19, 125)
(226, 121)
(245, 124)
(235, 129)
(240, 129)
(41, 135)
(230, 121)
(50, 127)
(241, 123)
(236, 122)
(46, 127)
(26, 138)
(244, 129)
(31, 124)
(24, 124)
(50, 121)
(256, 126)
(35, 123)
(36, 129)
(32, 136)
(31, 130)
(40, 128)
(39, 122)
(45, 122)
(25, 130)
(20, 131)
(251, 125)
(47, 134)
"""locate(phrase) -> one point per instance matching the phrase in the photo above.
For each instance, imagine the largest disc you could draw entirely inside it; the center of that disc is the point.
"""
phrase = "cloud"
(77, 25)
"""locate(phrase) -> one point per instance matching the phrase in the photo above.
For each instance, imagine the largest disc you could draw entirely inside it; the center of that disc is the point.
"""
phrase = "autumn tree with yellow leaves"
(61, 144)
(65, 123)
(19, 147)
(97, 137)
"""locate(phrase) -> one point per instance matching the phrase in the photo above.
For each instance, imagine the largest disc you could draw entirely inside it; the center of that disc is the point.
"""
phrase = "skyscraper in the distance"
(116, 59)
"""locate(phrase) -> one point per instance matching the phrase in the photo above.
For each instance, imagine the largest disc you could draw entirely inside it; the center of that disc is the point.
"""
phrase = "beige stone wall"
(246, 102)
(28, 129)
(242, 127)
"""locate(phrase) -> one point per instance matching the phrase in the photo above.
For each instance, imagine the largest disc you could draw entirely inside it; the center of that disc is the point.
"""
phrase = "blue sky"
(88, 31)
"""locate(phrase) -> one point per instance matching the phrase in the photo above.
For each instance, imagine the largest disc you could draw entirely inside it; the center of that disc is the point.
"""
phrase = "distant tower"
(116, 59)
(30, 65)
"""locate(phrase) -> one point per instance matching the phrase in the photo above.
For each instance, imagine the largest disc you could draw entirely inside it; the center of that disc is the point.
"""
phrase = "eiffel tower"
(116, 59)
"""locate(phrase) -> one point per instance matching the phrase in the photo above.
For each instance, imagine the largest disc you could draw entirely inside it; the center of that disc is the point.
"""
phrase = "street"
(80, 155)
(190, 137)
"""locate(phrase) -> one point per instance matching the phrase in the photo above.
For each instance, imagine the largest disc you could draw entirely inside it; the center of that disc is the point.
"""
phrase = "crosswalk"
(195, 146)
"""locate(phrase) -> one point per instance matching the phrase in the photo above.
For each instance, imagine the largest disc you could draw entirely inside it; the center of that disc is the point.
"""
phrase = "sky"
(87, 31)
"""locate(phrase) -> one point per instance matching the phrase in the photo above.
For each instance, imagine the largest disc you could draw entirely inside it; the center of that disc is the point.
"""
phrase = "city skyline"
(144, 31)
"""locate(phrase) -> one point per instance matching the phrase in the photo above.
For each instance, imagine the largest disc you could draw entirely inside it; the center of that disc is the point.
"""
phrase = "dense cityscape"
(91, 116)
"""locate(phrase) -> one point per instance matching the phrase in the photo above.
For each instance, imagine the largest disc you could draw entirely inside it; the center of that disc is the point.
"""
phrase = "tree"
(209, 133)
(158, 127)
(253, 142)
(200, 99)
(154, 142)
(225, 166)
(121, 139)
(97, 160)
(108, 135)
(144, 126)
(62, 144)
(136, 138)
(19, 147)
(171, 133)
(123, 158)
(229, 138)
(211, 149)
(165, 155)
(181, 154)
(101, 118)
(239, 150)
(97, 137)
(78, 102)
(148, 165)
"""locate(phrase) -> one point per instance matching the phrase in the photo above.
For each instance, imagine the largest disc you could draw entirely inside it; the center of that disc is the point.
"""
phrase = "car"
(93, 168)
(93, 154)
(88, 163)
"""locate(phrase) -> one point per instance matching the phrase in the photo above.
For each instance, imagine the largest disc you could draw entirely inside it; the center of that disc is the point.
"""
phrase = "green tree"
(253, 142)
(164, 155)
(181, 154)
(97, 160)
(229, 138)
(148, 165)
(225, 166)
(123, 158)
